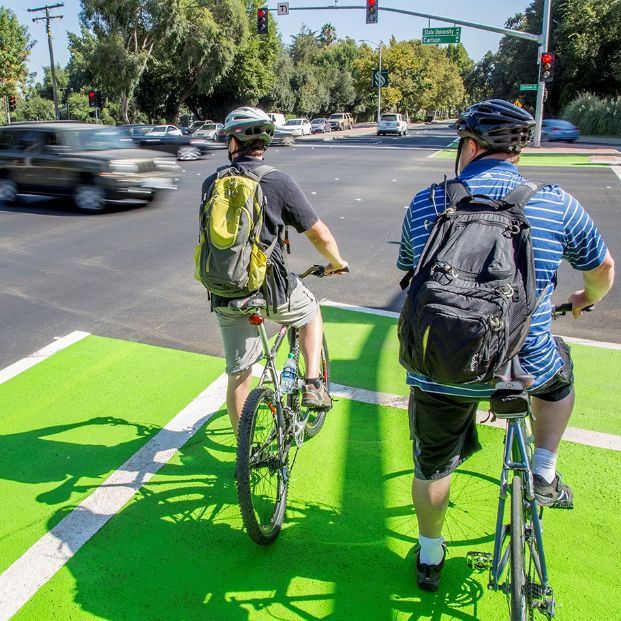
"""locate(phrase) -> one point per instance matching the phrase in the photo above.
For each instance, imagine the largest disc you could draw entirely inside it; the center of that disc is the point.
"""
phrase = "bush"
(595, 116)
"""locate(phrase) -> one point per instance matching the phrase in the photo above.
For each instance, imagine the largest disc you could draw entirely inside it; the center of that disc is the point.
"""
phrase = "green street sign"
(529, 87)
(379, 80)
(433, 36)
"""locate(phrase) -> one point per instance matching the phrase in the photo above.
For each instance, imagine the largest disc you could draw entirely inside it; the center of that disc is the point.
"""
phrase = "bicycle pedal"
(479, 561)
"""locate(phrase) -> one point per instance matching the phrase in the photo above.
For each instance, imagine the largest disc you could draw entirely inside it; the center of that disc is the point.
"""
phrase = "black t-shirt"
(286, 206)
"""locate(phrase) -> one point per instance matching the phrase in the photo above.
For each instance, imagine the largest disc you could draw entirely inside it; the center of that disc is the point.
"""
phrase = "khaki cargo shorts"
(242, 344)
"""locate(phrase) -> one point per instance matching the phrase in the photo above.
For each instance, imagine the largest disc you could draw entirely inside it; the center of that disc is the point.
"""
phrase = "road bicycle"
(518, 566)
(271, 423)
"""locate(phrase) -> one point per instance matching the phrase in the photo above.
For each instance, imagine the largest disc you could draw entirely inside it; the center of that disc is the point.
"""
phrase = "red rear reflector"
(255, 320)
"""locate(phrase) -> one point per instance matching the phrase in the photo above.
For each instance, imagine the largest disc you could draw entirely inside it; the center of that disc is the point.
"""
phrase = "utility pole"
(543, 47)
(47, 19)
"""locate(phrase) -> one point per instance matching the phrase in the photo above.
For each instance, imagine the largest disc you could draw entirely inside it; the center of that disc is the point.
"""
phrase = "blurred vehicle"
(556, 129)
(320, 126)
(91, 164)
(299, 127)
(194, 125)
(341, 120)
(277, 118)
(282, 137)
(186, 148)
(392, 123)
(164, 130)
(207, 131)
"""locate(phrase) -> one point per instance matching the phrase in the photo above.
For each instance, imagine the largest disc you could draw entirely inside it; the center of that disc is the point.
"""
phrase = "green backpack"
(230, 259)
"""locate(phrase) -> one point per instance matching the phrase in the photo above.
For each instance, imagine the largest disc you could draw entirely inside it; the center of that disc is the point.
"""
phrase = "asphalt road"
(128, 274)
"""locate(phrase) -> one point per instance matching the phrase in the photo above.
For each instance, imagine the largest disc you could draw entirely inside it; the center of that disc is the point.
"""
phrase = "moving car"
(207, 131)
(392, 123)
(277, 118)
(341, 120)
(556, 129)
(164, 130)
(320, 126)
(194, 125)
(184, 147)
(92, 164)
(282, 137)
(299, 127)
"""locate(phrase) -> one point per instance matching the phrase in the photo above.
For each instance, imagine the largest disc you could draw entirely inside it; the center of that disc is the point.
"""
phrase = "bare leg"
(311, 336)
(551, 418)
(237, 390)
(431, 500)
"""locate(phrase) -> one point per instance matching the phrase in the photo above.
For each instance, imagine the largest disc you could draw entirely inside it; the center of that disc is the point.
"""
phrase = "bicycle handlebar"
(320, 271)
(562, 309)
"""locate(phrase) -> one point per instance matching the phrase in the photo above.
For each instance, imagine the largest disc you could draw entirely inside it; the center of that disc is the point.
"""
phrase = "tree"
(14, 52)
(327, 36)
(127, 32)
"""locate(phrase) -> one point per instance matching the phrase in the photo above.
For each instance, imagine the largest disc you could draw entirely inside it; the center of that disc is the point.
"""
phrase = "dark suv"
(89, 163)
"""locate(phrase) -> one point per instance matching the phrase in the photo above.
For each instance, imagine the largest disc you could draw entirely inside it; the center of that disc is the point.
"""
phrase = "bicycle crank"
(479, 561)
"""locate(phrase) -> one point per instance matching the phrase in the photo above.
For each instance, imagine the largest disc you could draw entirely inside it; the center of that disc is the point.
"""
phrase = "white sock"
(431, 550)
(544, 464)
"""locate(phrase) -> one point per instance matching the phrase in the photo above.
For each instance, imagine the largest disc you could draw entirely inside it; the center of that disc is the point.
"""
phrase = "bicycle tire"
(518, 603)
(261, 467)
(315, 418)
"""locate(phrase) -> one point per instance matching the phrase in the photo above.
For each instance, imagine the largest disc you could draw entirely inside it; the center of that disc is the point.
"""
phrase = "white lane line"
(617, 171)
(572, 434)
(26, 363)
(39, 563)
(385, 313)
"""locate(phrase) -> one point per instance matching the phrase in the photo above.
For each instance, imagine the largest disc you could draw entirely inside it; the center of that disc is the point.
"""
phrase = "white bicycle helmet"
(249, 124)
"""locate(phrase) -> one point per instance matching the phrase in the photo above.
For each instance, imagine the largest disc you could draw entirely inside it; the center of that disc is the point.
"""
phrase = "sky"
(348, 23)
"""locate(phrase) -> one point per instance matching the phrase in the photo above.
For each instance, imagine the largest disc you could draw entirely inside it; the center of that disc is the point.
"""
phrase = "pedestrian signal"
(372, 11)
(262, 21)
(546, 67)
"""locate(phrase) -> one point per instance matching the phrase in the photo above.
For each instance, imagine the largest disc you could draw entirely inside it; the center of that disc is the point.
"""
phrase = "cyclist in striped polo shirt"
(442, 417)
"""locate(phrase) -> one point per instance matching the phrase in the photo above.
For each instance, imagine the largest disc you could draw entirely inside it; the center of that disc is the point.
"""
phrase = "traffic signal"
(372, 11)
(262, 21)
(12, 103)
(98, 100)
(92, 99)
(546, 67)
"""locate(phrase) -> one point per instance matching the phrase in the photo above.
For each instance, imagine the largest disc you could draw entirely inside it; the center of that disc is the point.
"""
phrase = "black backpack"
(472, 295)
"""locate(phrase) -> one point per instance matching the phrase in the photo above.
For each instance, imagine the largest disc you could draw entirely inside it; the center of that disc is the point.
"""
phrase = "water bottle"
(288, 377)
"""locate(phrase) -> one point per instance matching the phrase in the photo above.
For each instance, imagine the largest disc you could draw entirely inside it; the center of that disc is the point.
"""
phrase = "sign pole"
(543, 47)
(379, 86)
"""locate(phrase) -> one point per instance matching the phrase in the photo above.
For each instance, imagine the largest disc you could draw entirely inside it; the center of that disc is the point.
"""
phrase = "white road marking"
(39, 563)
(616, 170)
(26, 363)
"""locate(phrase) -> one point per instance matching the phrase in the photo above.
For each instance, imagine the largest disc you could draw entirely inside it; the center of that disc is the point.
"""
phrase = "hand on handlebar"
(579, 302)
(330, 269)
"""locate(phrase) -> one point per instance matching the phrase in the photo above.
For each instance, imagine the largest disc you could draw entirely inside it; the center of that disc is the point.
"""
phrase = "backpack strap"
(454, 192)
(519, 196)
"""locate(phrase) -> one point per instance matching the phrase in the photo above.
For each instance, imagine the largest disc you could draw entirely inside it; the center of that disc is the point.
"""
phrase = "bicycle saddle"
(256, 300)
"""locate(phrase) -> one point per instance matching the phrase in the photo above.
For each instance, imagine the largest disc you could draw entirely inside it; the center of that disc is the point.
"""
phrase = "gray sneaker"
(316, 398)
(556, 495)
(428, 576)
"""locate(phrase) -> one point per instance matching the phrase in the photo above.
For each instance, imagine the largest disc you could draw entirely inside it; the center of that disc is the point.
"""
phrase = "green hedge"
(595, 116)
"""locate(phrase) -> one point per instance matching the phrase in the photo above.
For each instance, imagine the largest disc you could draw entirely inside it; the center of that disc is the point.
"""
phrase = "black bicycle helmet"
(496, 125)
(249, 125)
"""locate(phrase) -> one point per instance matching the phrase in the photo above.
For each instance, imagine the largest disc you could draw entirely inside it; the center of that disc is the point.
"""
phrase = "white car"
(392, 123)
(299, 127)
(164, 130)
(207, 130)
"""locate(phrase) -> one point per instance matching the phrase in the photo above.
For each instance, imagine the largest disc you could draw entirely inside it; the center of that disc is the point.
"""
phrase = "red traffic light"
(91, 94)
(547, 58)
(261, 12)
(371, 2)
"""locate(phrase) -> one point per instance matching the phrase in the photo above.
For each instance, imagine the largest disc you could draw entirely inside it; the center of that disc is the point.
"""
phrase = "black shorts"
(443, 427)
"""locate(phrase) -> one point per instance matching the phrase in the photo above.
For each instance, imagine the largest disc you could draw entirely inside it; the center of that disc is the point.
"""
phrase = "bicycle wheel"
(262, 467)
(314, 418)
(517, 602)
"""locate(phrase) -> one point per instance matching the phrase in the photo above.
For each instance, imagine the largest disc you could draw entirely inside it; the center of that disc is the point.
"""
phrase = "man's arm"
(597, 283)
(320, 236)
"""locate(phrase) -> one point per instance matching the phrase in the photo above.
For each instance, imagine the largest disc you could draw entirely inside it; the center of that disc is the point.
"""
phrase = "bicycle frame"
(517, 460)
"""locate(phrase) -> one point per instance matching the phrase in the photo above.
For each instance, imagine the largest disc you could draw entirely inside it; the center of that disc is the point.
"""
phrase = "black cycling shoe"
(555, 495)
(428, 576)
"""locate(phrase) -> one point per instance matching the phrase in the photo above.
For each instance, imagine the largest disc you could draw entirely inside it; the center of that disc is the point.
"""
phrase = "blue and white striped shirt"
(561, 229)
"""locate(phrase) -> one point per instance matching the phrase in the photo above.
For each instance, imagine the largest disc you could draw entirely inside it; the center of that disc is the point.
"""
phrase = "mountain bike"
(273, 422)
(518, 566)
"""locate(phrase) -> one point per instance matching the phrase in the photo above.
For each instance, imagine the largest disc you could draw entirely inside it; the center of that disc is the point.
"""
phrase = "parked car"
(184, 147)
(341, 120)
(282, 137)
(277, 118)
(320, 126)
(207, 131)
(194, 125)
(92, 164)
(299, 127)
(556, 129)
(392, 123)
(165, 130)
